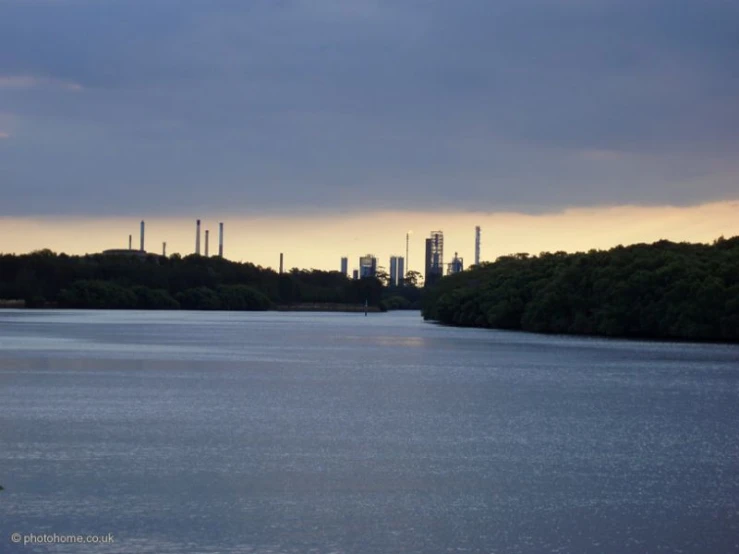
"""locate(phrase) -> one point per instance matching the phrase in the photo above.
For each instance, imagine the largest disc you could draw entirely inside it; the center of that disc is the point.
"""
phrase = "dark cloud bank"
(174, 106)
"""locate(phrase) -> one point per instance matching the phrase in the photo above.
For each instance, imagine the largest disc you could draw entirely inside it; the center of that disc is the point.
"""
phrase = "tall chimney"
(164, 249)
(207, 233)
(477, 245)
(197, 238)
(142, 236)
(220, 240)
(281, 259)
(130, 242)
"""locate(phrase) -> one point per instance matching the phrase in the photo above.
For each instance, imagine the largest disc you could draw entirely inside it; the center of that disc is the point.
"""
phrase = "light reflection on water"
(277, 432)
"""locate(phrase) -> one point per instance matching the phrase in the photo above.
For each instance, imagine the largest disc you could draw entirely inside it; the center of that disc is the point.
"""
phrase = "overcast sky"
(176, 107)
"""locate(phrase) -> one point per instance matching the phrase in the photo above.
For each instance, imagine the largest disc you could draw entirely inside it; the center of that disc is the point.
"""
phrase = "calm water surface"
(227, 433)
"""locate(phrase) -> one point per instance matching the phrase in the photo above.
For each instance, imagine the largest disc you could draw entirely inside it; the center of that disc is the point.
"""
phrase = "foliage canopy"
(662, 290)
(124, 281)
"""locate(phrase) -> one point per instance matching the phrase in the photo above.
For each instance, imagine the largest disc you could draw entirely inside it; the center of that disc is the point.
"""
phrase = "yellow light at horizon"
(320, 242)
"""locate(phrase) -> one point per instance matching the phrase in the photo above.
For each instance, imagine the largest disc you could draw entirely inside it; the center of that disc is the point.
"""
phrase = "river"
(182, 432)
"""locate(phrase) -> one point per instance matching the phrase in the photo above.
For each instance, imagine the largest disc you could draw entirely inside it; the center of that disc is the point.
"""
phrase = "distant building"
(367, 266)
(397, 270)
(456, 265)
(344, 266)
(355, 274)
(434, 258)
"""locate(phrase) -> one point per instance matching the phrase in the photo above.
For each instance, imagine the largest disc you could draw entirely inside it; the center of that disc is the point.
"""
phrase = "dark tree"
(662, 290)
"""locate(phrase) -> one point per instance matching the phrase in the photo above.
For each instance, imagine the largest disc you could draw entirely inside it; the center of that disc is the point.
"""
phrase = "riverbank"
(300, 307)
(110, 281)
(663, 291)
(326, 307)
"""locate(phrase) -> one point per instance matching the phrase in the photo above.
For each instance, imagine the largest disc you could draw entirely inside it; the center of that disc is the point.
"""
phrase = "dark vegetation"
(46, 279)
(663, 290)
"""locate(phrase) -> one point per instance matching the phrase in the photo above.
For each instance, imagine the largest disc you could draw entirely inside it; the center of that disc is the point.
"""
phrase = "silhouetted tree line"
(662, 290)
(44, 278)
(406, 297)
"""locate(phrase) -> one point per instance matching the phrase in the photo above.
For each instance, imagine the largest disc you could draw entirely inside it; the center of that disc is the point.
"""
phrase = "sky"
(324, 128)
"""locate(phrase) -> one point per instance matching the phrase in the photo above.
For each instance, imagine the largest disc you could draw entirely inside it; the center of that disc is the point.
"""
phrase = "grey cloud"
(279, 106)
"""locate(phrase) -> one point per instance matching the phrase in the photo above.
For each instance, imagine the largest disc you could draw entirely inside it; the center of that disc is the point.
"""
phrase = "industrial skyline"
(368, 265)
(311, 242)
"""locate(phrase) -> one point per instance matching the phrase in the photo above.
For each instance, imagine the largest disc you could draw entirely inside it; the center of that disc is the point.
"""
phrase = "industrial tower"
(477, 245)
(397, 270)
(197, 237)
(434, 258)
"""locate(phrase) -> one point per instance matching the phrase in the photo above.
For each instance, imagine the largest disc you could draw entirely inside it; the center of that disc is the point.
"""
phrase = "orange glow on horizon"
(320, 242)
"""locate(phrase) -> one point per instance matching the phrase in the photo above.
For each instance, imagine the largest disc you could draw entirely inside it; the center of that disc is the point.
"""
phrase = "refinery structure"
(398, 266)
(367, 266)
(477, 245)
(456, 265)
(434, 257)
(434, 269)
(397, 271)
(142, 242)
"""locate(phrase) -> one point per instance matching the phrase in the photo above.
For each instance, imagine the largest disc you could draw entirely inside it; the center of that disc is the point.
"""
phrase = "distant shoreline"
(594, 336)
(48, 280)
(325, 307)
(297, 307)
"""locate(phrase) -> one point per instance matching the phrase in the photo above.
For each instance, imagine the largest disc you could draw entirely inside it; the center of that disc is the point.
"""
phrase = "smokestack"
(207, 233)
(142, 236)
(477, 245)
(197, 238)
(220, 240)
(130, 242)
(281, 259)
(164, 249)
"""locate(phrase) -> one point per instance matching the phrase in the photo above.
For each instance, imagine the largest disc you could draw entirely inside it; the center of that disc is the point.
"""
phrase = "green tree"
(413, 279)
(662, 290)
